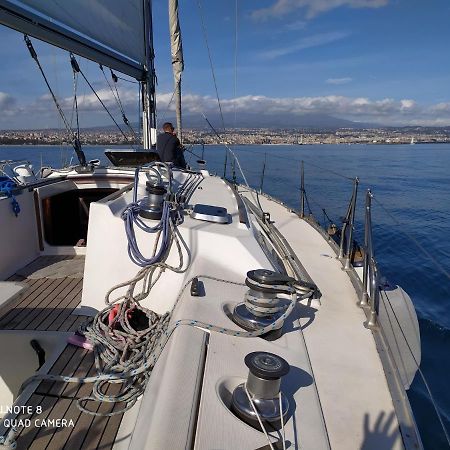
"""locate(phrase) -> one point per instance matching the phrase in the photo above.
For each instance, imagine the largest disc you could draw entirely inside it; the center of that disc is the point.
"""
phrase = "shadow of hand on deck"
(383, 435)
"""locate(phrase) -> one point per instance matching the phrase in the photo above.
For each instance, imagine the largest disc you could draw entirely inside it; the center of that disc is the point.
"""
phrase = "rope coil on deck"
(129, 356)
(6, 188)
(125, 352)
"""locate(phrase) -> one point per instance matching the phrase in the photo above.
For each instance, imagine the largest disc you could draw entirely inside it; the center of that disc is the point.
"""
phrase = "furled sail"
(111, 32)
(177, 59)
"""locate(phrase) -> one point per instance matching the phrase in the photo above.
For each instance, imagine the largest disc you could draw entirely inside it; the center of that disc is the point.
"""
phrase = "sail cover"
(107, 31)
(177, 59)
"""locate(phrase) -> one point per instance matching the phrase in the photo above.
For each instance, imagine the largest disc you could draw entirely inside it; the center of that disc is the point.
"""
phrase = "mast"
(176, 48)
(149, 82)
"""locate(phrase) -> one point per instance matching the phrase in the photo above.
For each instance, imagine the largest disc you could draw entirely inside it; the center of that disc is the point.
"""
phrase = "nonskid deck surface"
(350, 379)
(47, 305)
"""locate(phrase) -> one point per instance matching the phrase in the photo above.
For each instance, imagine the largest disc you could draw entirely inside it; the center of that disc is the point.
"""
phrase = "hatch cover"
(210, 213)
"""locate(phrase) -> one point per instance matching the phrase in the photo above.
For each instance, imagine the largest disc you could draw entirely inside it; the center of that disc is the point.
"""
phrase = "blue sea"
(411, 216)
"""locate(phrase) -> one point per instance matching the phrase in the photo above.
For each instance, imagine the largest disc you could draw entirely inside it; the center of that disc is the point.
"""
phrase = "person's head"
(168, 128)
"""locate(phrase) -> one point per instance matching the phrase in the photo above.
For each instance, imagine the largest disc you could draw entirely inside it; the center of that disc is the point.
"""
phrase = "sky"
(381, 62)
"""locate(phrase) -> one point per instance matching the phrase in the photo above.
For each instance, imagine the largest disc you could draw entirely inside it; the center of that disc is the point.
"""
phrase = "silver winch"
(262, 306)
(151, 207)
(263, 387)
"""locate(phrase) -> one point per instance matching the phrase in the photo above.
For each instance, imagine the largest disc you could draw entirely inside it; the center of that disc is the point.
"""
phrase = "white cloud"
(7, 102)
(338, 81)
(296, 26)
(384, 111)
(312, 7)
(314, 40)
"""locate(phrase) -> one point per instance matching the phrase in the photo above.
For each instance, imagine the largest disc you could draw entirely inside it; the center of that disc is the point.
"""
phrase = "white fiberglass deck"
(348, 386)
(352, 386)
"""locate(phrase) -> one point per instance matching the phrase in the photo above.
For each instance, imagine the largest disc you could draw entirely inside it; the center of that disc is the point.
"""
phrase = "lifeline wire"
(416, 242)
(290, 159)
(234, 156)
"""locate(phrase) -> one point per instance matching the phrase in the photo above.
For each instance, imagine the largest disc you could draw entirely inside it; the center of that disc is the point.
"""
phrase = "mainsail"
(111, 32)
(177, 59)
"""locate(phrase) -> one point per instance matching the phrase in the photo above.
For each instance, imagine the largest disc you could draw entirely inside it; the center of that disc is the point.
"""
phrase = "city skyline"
(382, 62)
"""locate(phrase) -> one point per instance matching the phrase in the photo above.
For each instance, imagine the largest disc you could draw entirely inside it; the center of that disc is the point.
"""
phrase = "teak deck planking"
(47, 305)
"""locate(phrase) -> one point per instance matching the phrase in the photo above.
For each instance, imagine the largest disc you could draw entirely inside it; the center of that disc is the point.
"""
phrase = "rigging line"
(74, 139)
(235, 158)
(319, 206)
(308, 205)
(418, 244)
(139, 113)
(104, 106)
(58, 107)
(330, 171)
(166, 110)
(74, 110)
(117, 99)
(187, 149)
(433, 402)
(128, 81)
(205, 36)
(288, 158)
(236, 11)
(75, 102)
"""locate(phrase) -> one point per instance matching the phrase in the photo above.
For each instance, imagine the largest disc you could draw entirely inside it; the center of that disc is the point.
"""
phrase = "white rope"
(258, 417)
(283, 431)
(8, 441)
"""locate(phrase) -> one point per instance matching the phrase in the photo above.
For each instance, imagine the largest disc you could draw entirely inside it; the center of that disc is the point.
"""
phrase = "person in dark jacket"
(169, 146)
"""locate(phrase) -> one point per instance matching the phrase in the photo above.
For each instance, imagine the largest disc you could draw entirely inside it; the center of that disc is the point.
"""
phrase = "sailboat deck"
(59, 402)
(47, 304)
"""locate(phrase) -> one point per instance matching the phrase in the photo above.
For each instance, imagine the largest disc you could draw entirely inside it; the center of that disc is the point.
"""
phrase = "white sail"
(111, 32)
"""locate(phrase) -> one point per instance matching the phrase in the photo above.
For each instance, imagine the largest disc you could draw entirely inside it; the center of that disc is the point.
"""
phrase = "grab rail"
(346, 242)
(370, 296)
(370, 291)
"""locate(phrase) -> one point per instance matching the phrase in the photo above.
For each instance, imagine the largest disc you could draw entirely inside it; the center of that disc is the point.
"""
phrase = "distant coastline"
(244, 136)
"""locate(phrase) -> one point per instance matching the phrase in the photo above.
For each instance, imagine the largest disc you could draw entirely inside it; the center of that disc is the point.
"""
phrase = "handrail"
(371, 293)
(346, 242)
(261, 184)
(302, 190)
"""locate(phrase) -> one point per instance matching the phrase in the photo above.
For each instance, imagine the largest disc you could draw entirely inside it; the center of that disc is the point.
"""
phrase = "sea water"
(411, 226)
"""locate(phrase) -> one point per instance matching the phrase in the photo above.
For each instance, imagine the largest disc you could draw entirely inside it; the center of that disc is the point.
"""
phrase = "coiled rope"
(6, 188)
(129, 355)
(128, 339)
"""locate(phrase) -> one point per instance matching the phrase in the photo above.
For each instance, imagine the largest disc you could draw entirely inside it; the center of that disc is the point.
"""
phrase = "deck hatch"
(210, 213)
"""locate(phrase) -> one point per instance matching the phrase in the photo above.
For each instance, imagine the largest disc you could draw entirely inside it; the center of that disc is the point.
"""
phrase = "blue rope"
(131, 218)
(6, 188)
